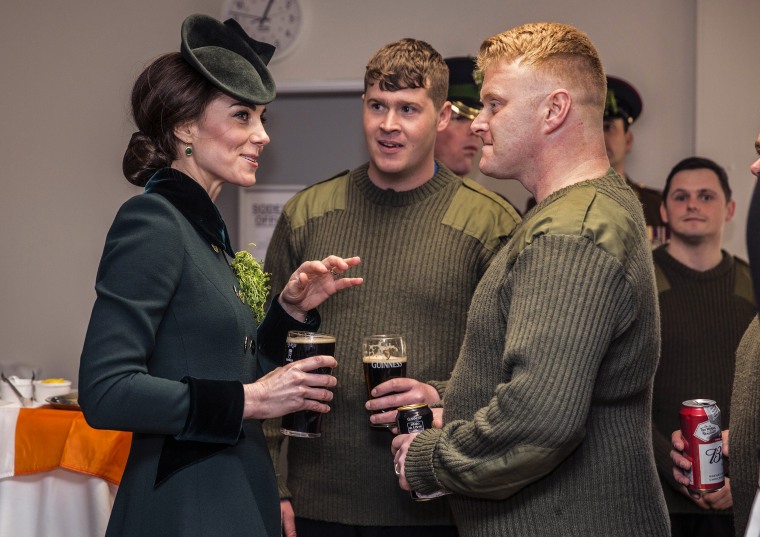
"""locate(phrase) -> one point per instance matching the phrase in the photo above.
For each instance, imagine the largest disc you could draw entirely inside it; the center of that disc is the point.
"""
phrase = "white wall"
(67, 68)
(728, 99)
(641, 44)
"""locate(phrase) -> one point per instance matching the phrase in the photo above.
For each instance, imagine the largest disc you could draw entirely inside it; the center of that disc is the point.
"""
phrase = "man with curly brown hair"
(425, 236)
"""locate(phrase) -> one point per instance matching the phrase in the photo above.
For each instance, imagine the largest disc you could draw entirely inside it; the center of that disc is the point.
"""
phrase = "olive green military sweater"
(423, 252)
(744, 427)
(548, 411)
(704, 315)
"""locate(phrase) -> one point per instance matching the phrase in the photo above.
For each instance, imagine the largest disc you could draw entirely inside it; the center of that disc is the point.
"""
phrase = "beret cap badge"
(465, 81)
(622, 101)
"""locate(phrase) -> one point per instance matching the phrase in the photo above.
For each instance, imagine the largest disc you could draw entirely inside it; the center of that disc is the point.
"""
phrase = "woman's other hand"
(314, 282)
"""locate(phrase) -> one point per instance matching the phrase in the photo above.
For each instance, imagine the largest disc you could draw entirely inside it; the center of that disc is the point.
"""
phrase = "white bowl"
(24, 386)
(43, 390)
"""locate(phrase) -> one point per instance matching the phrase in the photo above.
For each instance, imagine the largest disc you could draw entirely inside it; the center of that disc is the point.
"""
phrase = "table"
(58, 476)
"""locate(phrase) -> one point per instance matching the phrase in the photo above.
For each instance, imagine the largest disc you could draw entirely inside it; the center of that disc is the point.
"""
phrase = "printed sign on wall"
(260, 207)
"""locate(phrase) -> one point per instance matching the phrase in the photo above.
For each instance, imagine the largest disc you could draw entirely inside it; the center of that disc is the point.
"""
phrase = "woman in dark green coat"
(174, 352)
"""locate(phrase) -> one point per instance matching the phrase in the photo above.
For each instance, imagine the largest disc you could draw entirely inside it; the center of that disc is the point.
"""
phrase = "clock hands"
(262, 19)
(265, 17)
(275, 21)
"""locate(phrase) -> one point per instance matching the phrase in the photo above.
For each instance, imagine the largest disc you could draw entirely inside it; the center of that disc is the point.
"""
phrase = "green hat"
(622, 101)
(228, 58)
(464, 86)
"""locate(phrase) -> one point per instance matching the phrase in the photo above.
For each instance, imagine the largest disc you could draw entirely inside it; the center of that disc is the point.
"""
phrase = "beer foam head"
(309, 337)
(384, 347)
(383, 358)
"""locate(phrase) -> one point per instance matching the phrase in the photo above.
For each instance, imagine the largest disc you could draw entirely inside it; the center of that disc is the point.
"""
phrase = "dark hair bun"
(142, 158)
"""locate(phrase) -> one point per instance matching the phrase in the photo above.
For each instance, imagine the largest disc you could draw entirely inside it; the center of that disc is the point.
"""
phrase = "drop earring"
(188, 150)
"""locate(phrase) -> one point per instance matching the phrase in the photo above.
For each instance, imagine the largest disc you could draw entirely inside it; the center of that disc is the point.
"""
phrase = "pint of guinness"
(384, 358)
(306, 423)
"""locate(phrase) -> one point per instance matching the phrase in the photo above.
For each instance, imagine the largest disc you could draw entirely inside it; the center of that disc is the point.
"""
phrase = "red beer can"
(700, 427)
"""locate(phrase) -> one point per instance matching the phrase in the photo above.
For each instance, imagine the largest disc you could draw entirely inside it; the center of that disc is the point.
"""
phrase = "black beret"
(464, 86)
(623, 101)
(228, 58)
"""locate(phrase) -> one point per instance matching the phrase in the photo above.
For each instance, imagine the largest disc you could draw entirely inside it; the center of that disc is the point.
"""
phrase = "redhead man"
(547, 416)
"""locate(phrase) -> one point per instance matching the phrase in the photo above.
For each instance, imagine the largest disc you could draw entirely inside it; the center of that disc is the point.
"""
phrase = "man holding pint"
(547, 416)
(425, 237)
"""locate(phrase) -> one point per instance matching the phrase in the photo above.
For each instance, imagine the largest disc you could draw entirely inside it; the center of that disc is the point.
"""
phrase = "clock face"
(277, 22)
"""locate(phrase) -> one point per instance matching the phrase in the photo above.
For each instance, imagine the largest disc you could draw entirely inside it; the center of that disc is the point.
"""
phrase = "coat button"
(215, 248)
(246, 343)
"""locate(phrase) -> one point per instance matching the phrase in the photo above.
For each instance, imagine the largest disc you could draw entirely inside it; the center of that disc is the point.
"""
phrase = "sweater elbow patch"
(500, 478)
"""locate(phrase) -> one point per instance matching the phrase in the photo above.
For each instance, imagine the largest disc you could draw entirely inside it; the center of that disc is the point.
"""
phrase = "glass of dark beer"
(384, 358)
(306, 423)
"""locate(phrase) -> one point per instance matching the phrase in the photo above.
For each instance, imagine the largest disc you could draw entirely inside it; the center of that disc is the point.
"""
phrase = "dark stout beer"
(306, 423)
(384, 358)
(378, 369)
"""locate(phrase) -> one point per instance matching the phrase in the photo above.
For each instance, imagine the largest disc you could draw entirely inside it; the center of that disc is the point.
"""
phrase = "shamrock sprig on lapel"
(254, 282)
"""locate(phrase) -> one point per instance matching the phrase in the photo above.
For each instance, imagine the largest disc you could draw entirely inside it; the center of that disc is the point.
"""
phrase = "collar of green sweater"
(378, 196)
(668, 262)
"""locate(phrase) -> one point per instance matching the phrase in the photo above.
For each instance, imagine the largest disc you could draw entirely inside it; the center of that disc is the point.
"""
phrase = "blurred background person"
(426, 236)
(745, 424)
(456, 146)
(622, 108)
(173, 352)
(706, 303)
(741, 441)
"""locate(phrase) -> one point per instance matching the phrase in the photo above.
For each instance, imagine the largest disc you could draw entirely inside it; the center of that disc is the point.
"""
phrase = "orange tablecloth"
(48, 438)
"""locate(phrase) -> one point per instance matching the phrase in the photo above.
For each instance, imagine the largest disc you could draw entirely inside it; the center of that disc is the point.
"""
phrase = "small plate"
(64, 402)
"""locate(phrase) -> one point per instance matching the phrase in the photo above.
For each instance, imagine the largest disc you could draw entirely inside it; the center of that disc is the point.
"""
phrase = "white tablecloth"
(54, 503)
(59, 503)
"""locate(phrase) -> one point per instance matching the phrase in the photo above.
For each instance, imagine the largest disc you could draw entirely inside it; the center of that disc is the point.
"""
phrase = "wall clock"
(278, 22)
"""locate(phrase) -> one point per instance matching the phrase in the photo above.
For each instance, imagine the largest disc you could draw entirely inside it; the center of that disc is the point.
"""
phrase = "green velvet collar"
(194, 203)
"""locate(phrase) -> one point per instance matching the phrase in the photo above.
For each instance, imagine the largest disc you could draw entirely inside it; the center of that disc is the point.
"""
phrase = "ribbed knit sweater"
(423, 252)
(703, 317)
(548, 411)
(744, 427)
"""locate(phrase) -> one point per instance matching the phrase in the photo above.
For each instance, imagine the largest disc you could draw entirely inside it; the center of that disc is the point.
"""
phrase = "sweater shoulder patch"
(743, 282)
(481, 214)
(317, 200)
(584, 211)
(661, 281)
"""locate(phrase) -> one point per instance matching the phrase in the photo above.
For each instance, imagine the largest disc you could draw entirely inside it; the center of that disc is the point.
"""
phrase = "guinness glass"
(306, 423)
(384, 358)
